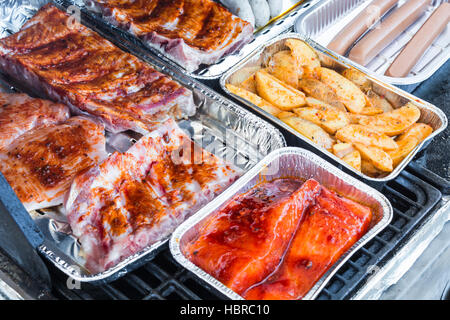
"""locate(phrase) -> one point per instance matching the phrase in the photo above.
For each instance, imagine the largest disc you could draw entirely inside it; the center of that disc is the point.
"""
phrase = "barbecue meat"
(190, 32)
(329, 229)
(245, 241)
(20, 113)
(134, 199)
(54, 54)
(41, 164)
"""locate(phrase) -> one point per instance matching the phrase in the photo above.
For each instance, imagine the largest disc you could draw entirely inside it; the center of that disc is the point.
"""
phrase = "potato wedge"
(394, 122)
(285, 114)
(358, 78)
(376, 156)
(305, 56)
(408, 141)
(284, 66)
(370, 111)
(329, 118)
(353, 159)
(355, 118)
(348, 92)
(379, 102)
(355, 133)
(342, 149)
(369, 169)
(253, 98)
(278, 93)
(320, 91)
(310, 131)
(249, 84)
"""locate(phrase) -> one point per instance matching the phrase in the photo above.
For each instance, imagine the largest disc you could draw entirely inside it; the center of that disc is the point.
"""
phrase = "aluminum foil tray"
(286, 162)
(262, 35)
(322, 22)
(430, 114)
(219, 126)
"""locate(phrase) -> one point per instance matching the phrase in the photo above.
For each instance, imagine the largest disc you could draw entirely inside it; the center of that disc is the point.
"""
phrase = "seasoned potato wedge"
(394, 122)
(369, 169)
(278, 93)
(379, 102)
(355, 118)
(329, 118)
(320, 91)
(376, 156)
(342, 149)
(253, 98)
(353, 159)
(305, 56)
(310, 130)
(358, 78)
(370, 111)
(284, 66)
(355, 133)
(249, 84)
(409, 140)
(348, 92)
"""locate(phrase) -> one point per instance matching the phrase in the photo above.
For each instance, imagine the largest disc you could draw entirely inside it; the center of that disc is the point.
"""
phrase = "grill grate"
(162, 278)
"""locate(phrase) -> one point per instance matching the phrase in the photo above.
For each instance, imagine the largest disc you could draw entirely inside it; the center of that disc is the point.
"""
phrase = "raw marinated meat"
(56, 55)
(137, 198)
(41, 164)
(245, 241)
(20, 113)
(190, 32)
(328, 230)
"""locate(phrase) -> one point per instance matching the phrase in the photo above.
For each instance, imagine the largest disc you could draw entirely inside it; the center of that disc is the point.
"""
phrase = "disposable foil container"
(219, 126)
(430, 114)
(294, 163)
(323, 20)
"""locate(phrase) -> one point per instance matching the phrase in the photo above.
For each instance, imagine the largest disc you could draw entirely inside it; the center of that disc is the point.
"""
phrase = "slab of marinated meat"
(41, 164)
(136, 198)
(244, 242)
(190, 32)
(329, 229)
(72, 64)
(20, 113)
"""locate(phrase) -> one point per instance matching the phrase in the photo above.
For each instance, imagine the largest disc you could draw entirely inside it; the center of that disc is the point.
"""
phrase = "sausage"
(416, 47)
(360, 24)
(261, 11)
(376, 40)
(276, 7)
(240, 8)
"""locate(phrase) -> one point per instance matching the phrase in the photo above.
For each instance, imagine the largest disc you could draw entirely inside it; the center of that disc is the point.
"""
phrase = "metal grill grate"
(162, 278)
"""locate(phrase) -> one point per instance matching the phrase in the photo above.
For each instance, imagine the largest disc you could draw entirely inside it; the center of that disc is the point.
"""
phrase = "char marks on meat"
(190, 32)
(41, 164)
(136, 198)
(20, 113)
(74, 65)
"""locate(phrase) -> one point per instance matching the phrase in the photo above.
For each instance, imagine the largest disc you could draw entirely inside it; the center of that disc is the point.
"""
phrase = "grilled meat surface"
(53, 53)
(41, 164)
(244, 242)
(190, 32)
(20, 113)
(136, 198)
(277, 239)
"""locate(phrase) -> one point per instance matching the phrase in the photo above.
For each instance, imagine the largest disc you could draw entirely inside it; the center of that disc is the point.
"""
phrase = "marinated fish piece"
(74, 65)
(245, 241)
(190, 32)
(41, 164)
(137, 198)
(329, 228)
(20, 113)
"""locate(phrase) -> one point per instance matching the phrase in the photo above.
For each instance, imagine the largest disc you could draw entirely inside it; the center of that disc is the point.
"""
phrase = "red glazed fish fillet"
(245, 241)
(41, 164)
(329, 229)
(190, 32)
(54, 54)
(137, 198)
(20, 113)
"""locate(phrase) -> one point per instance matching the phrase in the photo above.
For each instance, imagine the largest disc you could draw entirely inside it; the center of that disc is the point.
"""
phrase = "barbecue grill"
(420, 197)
